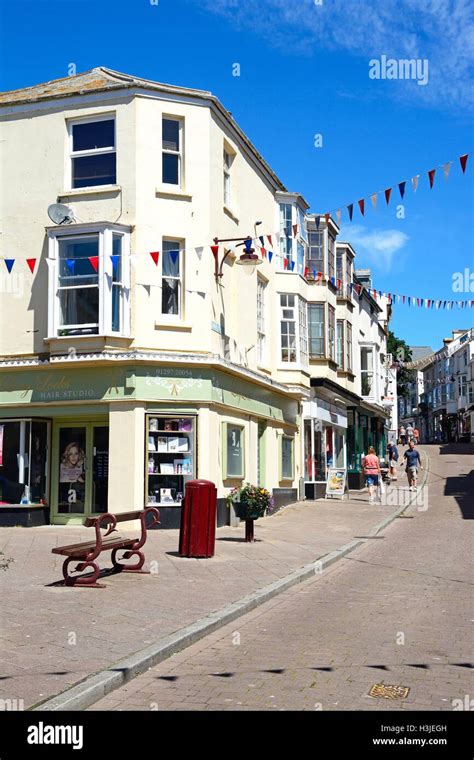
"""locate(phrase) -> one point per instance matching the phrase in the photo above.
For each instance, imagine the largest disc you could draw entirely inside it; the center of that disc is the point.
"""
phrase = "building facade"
(135, 355)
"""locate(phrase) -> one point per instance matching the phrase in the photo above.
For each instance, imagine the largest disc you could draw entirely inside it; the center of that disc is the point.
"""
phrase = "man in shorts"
(413, 462)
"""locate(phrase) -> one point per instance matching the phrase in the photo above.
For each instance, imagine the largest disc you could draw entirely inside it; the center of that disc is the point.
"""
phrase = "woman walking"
(372, 472)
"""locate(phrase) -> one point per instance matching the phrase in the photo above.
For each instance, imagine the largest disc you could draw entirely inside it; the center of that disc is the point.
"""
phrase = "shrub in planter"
(251, 502)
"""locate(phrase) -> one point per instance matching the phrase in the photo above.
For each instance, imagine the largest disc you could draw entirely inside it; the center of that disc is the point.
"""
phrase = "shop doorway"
(80, 471)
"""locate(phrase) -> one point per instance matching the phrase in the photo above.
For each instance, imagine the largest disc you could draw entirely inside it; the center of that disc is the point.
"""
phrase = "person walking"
(410, 431)
(416, 435)
(413, 462)
(372, 472)
(393, 459)
(402, 433)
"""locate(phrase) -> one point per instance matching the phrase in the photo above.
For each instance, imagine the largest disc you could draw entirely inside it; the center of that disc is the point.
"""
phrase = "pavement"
(55, 638)
(396, 613)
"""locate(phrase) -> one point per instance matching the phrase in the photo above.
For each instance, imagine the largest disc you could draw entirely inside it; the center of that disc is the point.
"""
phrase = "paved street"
(398, 610)
(54, 637)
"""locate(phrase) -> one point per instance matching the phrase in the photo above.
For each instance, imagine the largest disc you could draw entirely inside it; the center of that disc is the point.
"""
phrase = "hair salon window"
(89, 280)
(171, 283)
(24, 463)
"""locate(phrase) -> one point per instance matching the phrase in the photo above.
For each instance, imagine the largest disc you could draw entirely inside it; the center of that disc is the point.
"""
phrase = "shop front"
(77, 441)
(367, 426)
(324, 442)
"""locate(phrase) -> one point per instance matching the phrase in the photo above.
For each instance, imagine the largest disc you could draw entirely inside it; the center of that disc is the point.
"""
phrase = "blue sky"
(304, 70)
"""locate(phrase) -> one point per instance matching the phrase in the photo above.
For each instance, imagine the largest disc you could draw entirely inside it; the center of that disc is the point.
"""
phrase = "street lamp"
(249, 260)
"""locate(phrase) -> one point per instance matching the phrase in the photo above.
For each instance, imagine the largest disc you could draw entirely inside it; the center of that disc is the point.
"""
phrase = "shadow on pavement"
(462, 488)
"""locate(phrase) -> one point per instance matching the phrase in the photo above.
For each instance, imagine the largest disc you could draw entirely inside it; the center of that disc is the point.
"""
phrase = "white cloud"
(374, 247)
(441, 31)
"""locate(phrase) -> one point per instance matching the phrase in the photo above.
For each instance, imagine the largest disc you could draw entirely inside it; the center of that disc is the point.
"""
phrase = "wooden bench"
(86, 553)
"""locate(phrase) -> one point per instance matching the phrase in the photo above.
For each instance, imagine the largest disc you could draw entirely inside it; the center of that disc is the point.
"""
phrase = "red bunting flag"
(306, 272)
(155, 255)
(263, 252)
(431, 175)
(319, 276)
(295, 230)
(361, 206)
(339, 283)
(270, 240)
(463, 162)
(31, 263)
(327, 217)
(94, 262)
(285, 263)
(374, 293)
(388, 193)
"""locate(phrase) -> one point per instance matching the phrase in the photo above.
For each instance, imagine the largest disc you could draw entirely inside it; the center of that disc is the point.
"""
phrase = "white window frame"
(94, 152)
(283, 236)
(323, 233)
(322, 305)
(261, 315)
(105, 276)
(300, 318)
(348, 348)
(331, 345)
(341, 338)
(180, 246)
(227, 161)
(369, 347)
(179, 152)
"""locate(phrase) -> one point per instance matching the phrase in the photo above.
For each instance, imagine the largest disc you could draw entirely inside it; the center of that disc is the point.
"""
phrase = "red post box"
(197, 534)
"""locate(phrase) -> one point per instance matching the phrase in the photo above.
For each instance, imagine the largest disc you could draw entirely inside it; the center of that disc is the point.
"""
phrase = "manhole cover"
(389, 691)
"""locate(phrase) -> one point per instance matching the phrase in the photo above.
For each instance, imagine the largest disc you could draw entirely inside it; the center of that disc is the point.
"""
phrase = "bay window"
(286, 231)
(367, 370)
(340, 272)
(293, 330)
(315, 261)
(340, 343)
(92, 152)
(171, 282)
(89, 278)
(348, 347)
(331, 257)
(317, 348)
(332, 332)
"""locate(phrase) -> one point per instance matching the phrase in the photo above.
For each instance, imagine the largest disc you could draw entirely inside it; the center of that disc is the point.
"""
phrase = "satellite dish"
(59, 213)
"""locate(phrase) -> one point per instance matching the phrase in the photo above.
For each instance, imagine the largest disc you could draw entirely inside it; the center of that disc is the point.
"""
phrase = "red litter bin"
(197, 534)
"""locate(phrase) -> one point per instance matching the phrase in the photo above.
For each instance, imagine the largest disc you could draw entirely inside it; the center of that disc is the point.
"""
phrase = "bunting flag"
(199, 251)
(155, 255)
(262, 241)
(285, 263)
(350, 209)
(174, 255)
(318, 222)
(94, 262)
(270, 256)
(414, 182)
(463, 162)
(361, 206)
(263, 252)
(295, 230)
(70, 263)
(319, 276)
(401, 188)
(269, 238)
(115, 258)
(388, 193)
(31, 263)
(338, 216)
(9, 264)
(327, 218)
(373, 198)
(306, 272)
(431, 176)
(446, 169)
(292, 266)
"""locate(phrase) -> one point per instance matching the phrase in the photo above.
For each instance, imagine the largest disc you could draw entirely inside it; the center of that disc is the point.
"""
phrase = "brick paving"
(398, 609)
(52, 637)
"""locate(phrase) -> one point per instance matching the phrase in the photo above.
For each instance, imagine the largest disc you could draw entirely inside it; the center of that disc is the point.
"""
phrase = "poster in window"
(235, 463)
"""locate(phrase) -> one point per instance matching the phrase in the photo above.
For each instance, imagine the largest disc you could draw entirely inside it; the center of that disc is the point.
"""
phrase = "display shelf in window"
(170, 458)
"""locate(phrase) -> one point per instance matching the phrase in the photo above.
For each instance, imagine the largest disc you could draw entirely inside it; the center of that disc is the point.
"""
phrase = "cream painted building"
(133, 356)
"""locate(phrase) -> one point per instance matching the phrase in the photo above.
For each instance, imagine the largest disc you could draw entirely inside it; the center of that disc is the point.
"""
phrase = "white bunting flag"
(338, 215)
(199, 250)
(414, 182)
(373, 198)
(446, 169)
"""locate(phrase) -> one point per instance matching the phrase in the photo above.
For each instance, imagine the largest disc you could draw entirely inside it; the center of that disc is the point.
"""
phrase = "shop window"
(233, 451)
(339, 449)
(24, 463)
(171, 458)
(287, 445)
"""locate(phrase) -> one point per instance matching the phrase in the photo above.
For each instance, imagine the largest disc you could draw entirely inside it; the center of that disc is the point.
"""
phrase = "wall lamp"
(249, 260)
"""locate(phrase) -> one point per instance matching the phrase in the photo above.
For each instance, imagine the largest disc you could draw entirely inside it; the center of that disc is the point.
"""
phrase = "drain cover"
(389, 691)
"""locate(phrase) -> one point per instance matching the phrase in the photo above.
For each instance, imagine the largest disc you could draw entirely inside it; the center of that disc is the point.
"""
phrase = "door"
(80, 471)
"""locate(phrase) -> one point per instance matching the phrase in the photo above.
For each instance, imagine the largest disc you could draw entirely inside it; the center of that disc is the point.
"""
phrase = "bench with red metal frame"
(86, 553)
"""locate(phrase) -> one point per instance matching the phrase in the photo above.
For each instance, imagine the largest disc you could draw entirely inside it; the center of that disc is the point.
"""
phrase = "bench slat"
(82, 549)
